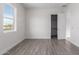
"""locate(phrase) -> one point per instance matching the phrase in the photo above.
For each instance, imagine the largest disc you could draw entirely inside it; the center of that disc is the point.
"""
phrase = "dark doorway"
(53, 26)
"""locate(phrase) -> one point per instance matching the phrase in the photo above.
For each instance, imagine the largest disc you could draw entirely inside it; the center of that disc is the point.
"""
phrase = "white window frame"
(14, 18)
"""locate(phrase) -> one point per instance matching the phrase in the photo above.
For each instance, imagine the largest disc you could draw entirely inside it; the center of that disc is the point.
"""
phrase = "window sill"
(9, 31)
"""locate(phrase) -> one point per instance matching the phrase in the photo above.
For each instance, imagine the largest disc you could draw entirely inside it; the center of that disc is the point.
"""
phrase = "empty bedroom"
(39, 28)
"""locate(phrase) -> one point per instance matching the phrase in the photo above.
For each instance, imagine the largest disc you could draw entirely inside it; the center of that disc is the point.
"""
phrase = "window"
(8, 18)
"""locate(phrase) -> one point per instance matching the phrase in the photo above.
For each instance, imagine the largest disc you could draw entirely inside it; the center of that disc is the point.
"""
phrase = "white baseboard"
(6, 50)
(38, 38)
(73, 42)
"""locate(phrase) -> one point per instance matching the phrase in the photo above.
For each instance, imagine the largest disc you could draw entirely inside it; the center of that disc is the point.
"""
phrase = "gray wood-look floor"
(44, 47)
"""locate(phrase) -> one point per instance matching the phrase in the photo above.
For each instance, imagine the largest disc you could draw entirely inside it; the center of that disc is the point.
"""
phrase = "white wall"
(73, 18)
(8, 40)
(61, 26)
(68, 16)
(38, 23)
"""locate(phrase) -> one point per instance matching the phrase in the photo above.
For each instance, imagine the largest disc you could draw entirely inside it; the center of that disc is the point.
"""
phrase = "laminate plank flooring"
(44, 47)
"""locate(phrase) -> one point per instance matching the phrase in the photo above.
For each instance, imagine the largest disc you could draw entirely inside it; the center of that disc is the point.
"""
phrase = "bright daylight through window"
(8, 18)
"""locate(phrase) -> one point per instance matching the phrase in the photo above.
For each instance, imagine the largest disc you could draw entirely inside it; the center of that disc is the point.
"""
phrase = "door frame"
(57, 24)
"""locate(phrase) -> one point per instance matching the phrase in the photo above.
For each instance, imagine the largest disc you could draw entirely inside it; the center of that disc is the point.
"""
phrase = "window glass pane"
(8, 24)
(8, 10)
(8, 21)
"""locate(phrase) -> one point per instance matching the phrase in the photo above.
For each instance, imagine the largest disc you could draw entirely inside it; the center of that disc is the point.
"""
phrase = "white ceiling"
(44, 5)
